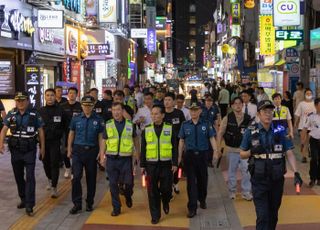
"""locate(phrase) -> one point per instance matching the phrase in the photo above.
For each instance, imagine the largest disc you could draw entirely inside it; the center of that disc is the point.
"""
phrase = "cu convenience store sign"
(286, 12)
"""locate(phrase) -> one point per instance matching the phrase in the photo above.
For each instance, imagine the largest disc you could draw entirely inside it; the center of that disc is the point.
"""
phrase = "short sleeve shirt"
(313, 125)
(196, 136)
(23, 120)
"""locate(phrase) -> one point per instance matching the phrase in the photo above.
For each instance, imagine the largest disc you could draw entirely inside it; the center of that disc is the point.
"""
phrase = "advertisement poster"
(267, 36)
(34, 84)
(108, 11)
(151, 40)
(72, 41)
(7, 83)
(91, 11)
(286, 12)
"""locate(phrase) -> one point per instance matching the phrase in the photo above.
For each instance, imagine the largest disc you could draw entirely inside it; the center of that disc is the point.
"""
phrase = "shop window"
(192, 8)
(192, 20)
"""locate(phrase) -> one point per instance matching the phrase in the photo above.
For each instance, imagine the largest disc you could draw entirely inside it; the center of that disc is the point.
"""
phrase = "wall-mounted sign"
(296, 35)
(286, 12)
(249, 4)
(110, 39)
(73, 5)
(7, 86)
(235, 13)
(235, 30)
(99, 49)
(219, 27)
(91, 11)
(267, 35)
(139, 33)
(266, 7)
(50, 19)
(72, 41)
(50, 41)
(315, 39)
(34, 84)
(108, 11)
(292, 55)
(161, 23)
(151, 40)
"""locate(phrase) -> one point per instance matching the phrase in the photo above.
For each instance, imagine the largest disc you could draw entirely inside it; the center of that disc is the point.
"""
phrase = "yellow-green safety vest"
(158, 148)
(115, 144)
(131, 102)
(282, 114)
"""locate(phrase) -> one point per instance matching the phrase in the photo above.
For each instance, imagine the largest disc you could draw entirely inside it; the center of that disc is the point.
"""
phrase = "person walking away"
(224, 99)
(231, 130)
(304, 108)
(85, 140)
(298, 95)
(267, 149)
(54, 120)
(195, 136)
(24, 123)
(312, 125)
(159, 160)
(194, 95)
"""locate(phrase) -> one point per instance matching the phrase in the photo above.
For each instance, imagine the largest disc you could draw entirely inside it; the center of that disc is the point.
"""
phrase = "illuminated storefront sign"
(249, 4)
(72, 41)
(235, 12)
(267, 36)
(107, 11)
(73, 5)
(289, 35)
(151, 40)
(266, 7)
(286, 12)
(315, 39)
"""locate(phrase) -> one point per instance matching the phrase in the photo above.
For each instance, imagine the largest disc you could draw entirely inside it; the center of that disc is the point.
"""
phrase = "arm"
(221, 132)
(137, 147)
(42, 142)
(2, 137)
(70, 142)
(143, 150)
(180, 150)
(214, 147)
(290, 126)
(102, 148)
(3, 114)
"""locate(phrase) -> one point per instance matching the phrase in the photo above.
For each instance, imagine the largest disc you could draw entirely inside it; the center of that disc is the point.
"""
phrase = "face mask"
(308, 97)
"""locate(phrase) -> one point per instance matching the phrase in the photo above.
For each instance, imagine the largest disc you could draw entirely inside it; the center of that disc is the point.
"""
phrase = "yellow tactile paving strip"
(139, 214)
(42, 208)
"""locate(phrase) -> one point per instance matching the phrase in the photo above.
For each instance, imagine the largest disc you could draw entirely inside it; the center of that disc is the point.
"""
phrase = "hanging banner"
(151, 40)
(286, 12)
(108, 11)
(267, 35)
(266, 7)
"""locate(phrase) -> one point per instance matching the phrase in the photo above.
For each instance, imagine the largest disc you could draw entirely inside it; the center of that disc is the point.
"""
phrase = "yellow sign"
(225, 48)
(267, 35)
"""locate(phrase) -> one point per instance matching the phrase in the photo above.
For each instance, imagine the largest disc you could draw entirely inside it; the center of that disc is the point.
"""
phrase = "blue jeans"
(236, 162)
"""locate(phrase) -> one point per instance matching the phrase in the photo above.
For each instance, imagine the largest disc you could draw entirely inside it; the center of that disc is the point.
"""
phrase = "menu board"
(34, 84)
(7, 84)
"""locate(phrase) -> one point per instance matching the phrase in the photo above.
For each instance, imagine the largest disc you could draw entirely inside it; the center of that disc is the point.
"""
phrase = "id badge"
(98, 110)
(57, 119)
(278, 148)
(30, 129)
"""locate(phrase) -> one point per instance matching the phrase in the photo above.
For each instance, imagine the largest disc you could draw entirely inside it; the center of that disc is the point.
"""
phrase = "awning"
(49, 57)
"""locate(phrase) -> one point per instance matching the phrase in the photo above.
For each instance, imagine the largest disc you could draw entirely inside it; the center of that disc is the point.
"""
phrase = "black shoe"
(166, 208)
(129, 202)
(203, 205)
(154, 221)
(304, 160)
(115, 213)
(21, 205)
(191, 214)
(89, 208)
(75, 210)
(29, 211)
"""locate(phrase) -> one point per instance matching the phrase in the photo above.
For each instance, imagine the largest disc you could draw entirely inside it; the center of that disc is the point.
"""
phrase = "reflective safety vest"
(119, 145)
(131, 102)
(158, 148)
(280, 116)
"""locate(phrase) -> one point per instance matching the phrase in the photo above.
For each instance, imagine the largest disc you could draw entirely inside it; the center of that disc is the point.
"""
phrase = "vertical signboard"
(34, 84)
(108, 11)
(286, 12)
(151, 40)
(235, 12)
(72, 41)
(266, 7)
(267, 35)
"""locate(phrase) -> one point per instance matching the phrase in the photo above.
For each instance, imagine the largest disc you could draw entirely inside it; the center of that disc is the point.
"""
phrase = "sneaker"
(49, 186)
(232, 195)
(304, 160)
(176, 188)
(67, 173)
(247, 196)
(54, 193)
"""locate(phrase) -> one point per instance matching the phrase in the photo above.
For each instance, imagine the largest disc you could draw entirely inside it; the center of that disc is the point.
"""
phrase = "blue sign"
(151, 40)
(72, 5)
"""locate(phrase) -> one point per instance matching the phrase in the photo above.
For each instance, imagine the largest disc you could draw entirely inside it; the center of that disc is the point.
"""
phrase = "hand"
(216, 154)
(297, 179)
(69, 153)
(102, 159)
(42, 152)
(174, 169)
(143, 171)
(291, 136)
(142, 119)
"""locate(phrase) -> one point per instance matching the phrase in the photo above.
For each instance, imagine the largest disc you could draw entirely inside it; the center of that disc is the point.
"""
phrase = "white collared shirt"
(186, 113)
(252, 109)
(143, 112)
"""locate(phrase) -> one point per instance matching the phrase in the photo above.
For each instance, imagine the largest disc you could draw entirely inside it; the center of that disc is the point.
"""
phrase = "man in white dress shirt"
(143, 117)
(248, 107)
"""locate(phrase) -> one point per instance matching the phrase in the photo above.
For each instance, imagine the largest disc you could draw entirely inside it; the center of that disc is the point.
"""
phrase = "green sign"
(294, 35)
(315, 39)
(234, 1)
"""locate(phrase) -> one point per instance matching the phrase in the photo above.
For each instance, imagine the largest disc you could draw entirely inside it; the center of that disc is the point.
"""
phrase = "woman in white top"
(303, 109)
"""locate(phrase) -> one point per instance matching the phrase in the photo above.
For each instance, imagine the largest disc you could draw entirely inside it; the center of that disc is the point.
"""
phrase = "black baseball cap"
(87, 100)
(195, 105)
(21, 95)
(265, 104)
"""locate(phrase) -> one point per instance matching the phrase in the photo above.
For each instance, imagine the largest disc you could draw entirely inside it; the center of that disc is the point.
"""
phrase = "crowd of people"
(154, 127)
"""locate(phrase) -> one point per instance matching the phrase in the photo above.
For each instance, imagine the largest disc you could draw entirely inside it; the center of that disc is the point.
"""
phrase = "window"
(192, 20)
(192, 8)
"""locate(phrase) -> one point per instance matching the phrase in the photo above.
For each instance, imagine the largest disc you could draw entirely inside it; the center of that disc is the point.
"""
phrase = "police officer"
(159, 159)
(59, 98)
(71, 108)
(120, 141)
(231, 130)
(313, 126)
(195, 136)
(84, 142)
(98, 106)
(128, 99)
(24, 123)
(266, 147)
(54, 122)
(282, 115)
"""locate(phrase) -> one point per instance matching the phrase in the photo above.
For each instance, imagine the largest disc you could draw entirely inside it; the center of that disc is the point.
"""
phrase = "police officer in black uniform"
(59, 98)
(266, 147)
(84, 142)
(71, 108)
(98, 106)
(54, 126)
(195, 136)
(24, 123)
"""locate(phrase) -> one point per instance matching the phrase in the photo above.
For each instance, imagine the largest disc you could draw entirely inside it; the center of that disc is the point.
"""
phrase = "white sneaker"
(54, 193)
(247, 196)
(67, 173)
(232, 195)
(49, 186)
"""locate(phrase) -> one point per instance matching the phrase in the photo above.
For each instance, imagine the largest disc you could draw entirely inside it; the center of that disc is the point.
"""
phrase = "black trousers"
(267, 195)
(51, 161)
(196, 170)
(26, 187)
(314, 171)
(86, 159)
(159, 186)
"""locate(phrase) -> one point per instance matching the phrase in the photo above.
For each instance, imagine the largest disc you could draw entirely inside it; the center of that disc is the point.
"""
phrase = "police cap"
(195, 105)
(265, 104)
(87, 100)
(21, 95)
